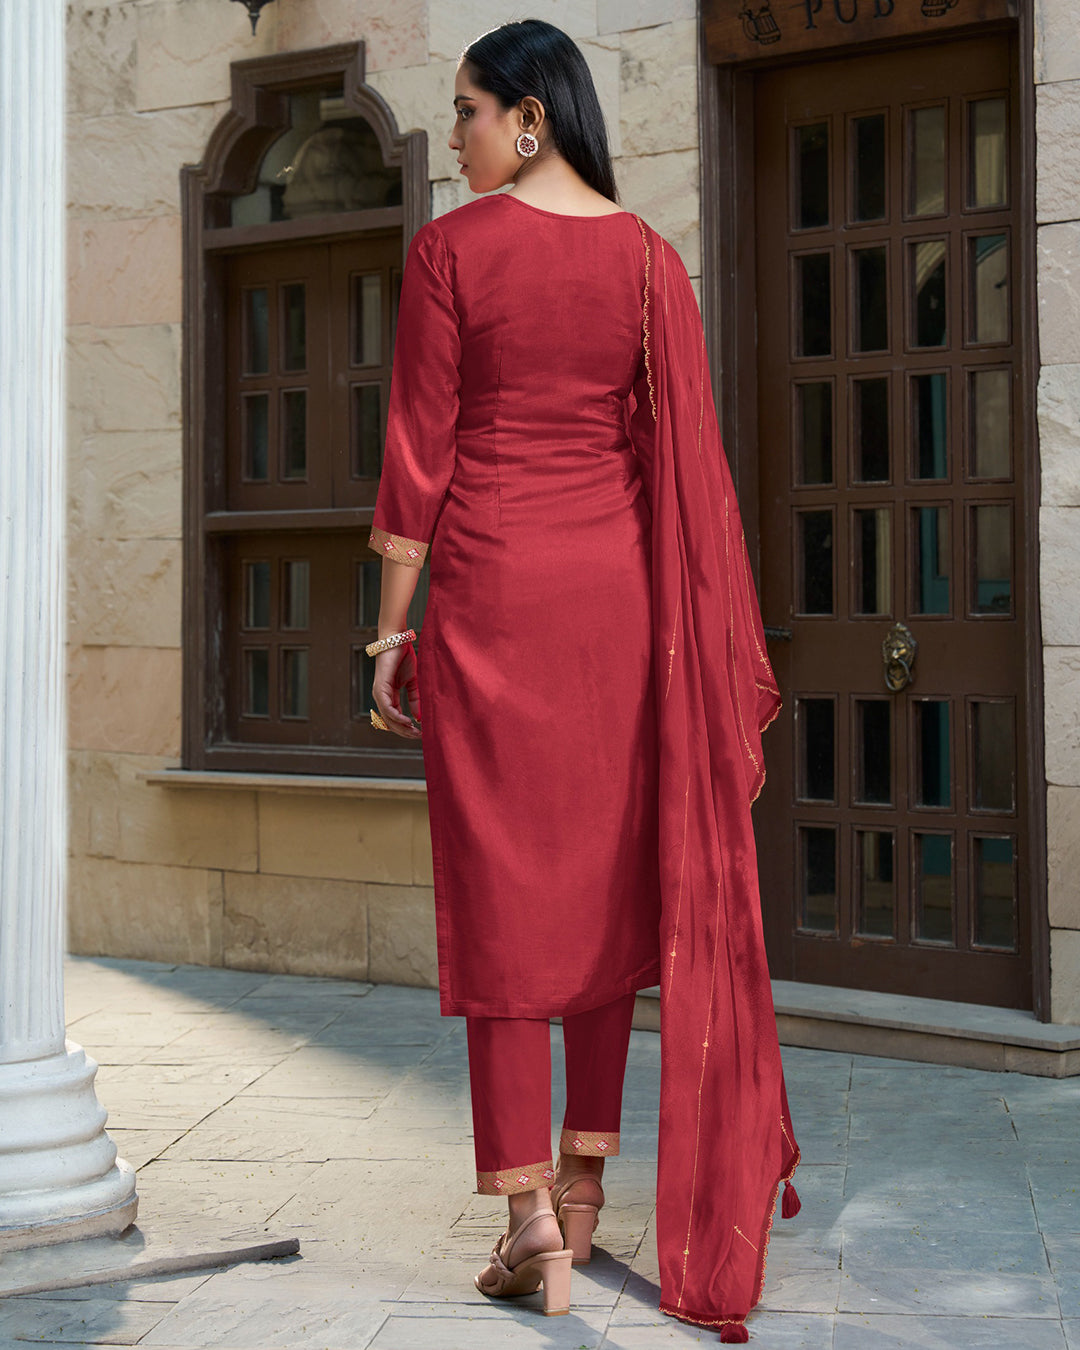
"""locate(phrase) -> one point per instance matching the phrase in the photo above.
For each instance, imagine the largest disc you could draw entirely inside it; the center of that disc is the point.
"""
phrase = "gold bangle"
(394, 640)
(377, 721)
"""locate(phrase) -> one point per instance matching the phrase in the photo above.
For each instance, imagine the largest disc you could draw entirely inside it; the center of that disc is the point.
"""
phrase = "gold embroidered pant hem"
(514, 1180)
(510, 1083)
(589, 1143)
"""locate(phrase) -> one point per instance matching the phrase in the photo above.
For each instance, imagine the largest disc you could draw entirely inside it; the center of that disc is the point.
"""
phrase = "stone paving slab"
(124, 1321)
(141, 1253)
(946, 1333)
(940, 1206)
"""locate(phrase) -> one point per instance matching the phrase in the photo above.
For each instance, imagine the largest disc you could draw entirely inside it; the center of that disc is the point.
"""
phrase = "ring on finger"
(377, 721)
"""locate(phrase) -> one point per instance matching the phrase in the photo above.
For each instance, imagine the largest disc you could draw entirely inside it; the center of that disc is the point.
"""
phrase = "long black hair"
(532, 57)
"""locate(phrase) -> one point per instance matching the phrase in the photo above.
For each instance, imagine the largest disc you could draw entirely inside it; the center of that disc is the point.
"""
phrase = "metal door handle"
(898, 653)
(777, 634)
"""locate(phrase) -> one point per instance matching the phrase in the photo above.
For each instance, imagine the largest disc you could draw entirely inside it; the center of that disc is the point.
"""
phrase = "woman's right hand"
(393, 669)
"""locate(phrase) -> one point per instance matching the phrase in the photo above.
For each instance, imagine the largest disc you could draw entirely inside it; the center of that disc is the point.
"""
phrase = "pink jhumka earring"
(527, 144)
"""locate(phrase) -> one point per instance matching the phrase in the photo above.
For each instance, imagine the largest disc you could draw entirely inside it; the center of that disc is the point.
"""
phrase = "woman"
(594, 687)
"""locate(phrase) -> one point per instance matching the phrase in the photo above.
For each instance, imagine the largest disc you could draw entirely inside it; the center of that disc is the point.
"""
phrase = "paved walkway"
(939, 1205)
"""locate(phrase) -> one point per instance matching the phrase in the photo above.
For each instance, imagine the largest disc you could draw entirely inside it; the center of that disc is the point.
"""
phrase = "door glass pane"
(294, 682)
(873, 756)
(868, 156)
(931, 564)
(873, 561)
(929, 425)
(933, 778)
(995, 893)
(993, 766)
(926, 166)
(256, 331)
(814, 428)
(988, 264)
(817, 879)
(257, 682)
(812, 176)
(367, 430)
(297, 590)
(927, 265)
(368, 588)
(257, 595)
(294, 425)
(988, 148)
(255, 417)
(871, 299)
(875, 882)
(870, 411)
(813, 287)
(294, 327)
(816, 721)
(367, 320)
(991, 530)
(991, 423)
(815, 562)
(933, 858)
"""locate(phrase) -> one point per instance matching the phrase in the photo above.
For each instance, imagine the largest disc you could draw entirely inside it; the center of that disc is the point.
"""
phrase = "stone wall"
(321, 883)
(335, 884)
(1057, 81)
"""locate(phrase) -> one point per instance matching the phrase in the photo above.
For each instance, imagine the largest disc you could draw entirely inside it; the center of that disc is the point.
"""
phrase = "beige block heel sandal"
(550, 1269)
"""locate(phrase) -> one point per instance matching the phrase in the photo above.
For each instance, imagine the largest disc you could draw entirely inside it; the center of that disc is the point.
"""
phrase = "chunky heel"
(555, 1274)
(578, 1224)
(550, 1269)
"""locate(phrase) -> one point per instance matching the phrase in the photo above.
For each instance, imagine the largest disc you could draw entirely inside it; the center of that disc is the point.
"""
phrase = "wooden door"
(892, 828)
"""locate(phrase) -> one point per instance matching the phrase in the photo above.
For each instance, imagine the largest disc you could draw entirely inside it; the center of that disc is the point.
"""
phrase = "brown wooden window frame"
(213, 643)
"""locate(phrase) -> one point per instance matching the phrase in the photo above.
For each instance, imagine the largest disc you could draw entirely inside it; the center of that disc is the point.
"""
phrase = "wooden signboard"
(747, 30)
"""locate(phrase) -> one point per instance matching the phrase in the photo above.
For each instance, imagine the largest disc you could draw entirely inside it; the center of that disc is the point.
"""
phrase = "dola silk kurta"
(594, 686)
(508, 451)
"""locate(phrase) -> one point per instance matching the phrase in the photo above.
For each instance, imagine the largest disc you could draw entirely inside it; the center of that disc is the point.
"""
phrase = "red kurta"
(595, 685)
(508, 450)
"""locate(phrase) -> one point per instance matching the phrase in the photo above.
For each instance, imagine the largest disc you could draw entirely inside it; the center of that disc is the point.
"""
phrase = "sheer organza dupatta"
(726, 1138)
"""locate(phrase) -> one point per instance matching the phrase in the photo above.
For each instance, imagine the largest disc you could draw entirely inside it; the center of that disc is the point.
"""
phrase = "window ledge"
(329, 784)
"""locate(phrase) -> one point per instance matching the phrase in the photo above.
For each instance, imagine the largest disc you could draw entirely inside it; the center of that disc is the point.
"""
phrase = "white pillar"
(59, 1174)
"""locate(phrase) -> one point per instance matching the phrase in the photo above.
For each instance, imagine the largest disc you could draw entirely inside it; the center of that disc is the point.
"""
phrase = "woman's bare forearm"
(398, 586)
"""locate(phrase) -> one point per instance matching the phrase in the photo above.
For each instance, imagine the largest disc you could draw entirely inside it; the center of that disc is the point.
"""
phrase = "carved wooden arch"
(258, 114)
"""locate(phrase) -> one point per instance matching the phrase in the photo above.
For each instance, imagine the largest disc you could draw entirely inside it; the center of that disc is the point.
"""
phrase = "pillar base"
(60, 1178)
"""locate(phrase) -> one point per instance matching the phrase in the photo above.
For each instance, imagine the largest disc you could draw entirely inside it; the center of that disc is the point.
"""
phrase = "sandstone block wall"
(1057, 86)
(321, 884)
(293, 882)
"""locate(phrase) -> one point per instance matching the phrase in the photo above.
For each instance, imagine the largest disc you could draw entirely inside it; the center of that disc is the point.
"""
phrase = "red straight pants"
(510, 1080)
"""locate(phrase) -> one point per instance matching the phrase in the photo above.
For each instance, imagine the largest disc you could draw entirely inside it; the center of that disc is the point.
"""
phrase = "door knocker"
(898, 653)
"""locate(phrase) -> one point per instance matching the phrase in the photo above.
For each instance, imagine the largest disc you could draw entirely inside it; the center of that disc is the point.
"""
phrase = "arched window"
(295, 230)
